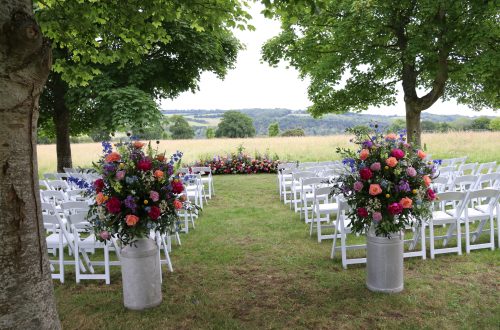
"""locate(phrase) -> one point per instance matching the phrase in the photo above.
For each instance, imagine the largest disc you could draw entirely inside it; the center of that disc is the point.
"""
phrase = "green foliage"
(356, 52)
(397, 125)
(495, 124)
(461, 124)
(274, 129)
(96, 33)
(294, 132)
(210, 133)
(428, 125)
(481, 123)
(235, 124)
(180, 128)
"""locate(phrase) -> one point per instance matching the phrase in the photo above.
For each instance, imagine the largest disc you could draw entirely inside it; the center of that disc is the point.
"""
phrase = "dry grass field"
(478, 146)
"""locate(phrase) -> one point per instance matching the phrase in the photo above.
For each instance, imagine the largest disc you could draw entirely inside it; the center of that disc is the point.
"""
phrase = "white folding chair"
(455, 201)
(324, 206)
(307, 196)
(296, 187)
(206, 178)
(481, 208)
(58, 185)
(418, 234)
(486, 168)
(56, 242)
(464, 183)
(491, 180)
(466, 169)
(342, 229)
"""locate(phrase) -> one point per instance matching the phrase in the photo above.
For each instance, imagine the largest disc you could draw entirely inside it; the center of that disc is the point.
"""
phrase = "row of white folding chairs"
(467, 182)
(465, 209)
(452, 171)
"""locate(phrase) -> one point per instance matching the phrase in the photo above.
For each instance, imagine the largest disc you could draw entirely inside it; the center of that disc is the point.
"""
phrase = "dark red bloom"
(99, 185)
(114, 205)
(395, 208)
(397, 153)
(177, 186)
(365, 173)
(431, 195)
(144, 164)
(154, 212)
(362, 212)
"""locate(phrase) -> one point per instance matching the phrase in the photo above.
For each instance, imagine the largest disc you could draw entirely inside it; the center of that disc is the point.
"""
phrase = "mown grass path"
(250, 264)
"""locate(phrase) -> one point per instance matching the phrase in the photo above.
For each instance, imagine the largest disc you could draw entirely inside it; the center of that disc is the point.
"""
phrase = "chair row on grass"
(71, 241)
(467, 205)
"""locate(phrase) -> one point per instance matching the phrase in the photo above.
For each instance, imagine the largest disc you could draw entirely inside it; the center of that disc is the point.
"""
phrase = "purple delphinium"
(403, 186)
(130, 203)
(108, 168)
(367, 144)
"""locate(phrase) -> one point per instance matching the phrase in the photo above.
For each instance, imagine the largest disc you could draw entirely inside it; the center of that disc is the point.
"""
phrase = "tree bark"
(413, 129)
(62, 117)
(26, 292)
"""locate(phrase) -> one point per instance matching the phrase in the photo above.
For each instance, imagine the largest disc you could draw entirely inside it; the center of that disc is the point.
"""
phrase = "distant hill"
(289, 119)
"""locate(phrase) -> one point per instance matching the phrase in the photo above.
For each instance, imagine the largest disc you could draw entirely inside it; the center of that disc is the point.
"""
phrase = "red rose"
(154, 212)
(362, 212)
(177, 186)
(114, 205)
(431, 195)
(397, 153)
(144, 164)
(98, 185)
(365, 173)
(395, 208)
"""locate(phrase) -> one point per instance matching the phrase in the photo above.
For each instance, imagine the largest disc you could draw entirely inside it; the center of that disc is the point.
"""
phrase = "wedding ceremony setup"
(249, 164)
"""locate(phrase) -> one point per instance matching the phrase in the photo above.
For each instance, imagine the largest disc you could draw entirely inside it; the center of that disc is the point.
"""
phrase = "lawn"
(250, 264)
(478, 146)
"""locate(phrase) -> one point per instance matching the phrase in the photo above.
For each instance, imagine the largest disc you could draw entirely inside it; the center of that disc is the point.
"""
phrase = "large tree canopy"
(235, 124)
(356, 51)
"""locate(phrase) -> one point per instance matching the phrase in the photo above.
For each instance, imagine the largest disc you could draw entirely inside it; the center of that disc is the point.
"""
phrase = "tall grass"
(478, 146)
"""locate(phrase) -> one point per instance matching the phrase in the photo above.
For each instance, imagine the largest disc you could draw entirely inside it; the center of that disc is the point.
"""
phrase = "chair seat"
(474, 214)
(53, 241)
(445, 217)
(328, 208)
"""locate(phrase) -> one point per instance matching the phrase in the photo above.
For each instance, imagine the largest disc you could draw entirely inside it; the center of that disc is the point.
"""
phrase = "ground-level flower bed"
(240, 163)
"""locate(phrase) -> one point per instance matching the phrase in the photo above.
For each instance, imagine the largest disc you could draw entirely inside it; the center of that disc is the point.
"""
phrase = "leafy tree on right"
(357, 52)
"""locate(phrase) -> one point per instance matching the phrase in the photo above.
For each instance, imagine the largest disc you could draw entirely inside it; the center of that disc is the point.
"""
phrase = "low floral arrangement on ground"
(240, 163)
(136, 193)
(386, 182)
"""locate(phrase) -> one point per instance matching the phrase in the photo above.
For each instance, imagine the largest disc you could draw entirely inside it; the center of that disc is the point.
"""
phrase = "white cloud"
(253, 84)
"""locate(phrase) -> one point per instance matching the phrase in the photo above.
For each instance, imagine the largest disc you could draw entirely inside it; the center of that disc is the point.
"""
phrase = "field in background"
(478, 146)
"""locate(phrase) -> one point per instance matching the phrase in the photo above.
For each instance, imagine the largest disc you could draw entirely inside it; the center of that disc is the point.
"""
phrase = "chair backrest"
(76, 194)
(72, 207)
(485, 196)
(441, 183)
(53, 196)
(78, 220)
(297, 176)
(58, 185)
(48, 208)
(486, 168)
(464, 183)
(202, 170)
(50, 176)
(323, 193)
(491, 180)
(466, 169)
(42, 184)
(459, 161)
(447, 162)
(456, 198)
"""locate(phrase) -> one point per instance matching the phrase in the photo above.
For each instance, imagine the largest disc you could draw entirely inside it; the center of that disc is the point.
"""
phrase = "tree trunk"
(62, 117)
(413, 129)
(26, 292)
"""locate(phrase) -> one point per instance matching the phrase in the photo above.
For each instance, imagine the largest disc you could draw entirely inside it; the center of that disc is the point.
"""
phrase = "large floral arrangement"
(240, 163)
(137, 192)
(386, 182)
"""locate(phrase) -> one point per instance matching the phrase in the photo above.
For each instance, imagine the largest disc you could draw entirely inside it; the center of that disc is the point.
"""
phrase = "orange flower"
(427, 180)
(391, 161)
(391, 136)
(113, 157)
(158, 174)
(138, 144)
(406, 202)
(160, 157)
(131, 220)
(421, 154)
(100, 198)
(364, 154)
(375, 189)
(183, 198)
(177, 204)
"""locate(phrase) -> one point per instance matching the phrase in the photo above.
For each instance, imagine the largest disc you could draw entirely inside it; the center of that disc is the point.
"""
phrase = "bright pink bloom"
(362, 212)
(358, 185)
(377, 216)
(365, 173)
(177, 186)
(120, 175)
(397, 153)
(144, 164)
(105, 235)
(395, 208)
(154, 213)
(98, 185)
(431, 195)
(411, 172)
(114, 205)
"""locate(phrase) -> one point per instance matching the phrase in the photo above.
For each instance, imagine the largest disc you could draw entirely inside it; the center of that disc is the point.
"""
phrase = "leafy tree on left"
(122, 98)
(85, 30)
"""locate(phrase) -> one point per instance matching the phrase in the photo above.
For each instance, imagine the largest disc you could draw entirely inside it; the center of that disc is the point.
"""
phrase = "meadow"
(477, 146)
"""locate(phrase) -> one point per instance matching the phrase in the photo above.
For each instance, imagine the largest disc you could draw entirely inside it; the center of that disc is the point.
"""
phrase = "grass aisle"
(251, 264)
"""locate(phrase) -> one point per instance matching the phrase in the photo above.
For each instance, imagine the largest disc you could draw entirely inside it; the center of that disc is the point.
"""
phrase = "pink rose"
(375, 189)
(131, 220)
(362, 212)
(431, 195)
(365, 173)
(377, 216)
(154, 196)
(375, 167)
(358, 185)
(397, 153)
(364, 154)
(120, 175)
(395, 208)
(105, 235)
(411, 172)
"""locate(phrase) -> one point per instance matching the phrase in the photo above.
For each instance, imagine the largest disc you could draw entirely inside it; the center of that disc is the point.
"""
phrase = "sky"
(254, 84)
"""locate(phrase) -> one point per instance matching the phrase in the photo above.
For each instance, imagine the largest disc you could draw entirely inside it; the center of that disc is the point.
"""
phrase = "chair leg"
(431, 234)
(106, 264)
